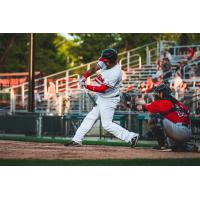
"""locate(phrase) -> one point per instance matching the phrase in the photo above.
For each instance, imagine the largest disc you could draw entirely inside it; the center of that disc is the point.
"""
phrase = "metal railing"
(65, 81)
(187, 68)
(133, 61)
(182, 50)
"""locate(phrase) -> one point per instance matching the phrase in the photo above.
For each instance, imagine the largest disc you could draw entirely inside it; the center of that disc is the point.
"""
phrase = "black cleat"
(134, 141)
(72, 144)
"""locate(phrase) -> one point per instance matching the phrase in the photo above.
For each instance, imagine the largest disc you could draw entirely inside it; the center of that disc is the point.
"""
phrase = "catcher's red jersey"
(162, 106)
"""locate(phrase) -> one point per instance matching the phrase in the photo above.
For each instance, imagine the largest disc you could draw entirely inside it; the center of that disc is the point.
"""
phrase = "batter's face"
(109, 65)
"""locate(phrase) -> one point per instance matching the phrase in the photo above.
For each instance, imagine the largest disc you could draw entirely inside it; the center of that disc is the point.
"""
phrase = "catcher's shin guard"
(160, 135)
(157, 129)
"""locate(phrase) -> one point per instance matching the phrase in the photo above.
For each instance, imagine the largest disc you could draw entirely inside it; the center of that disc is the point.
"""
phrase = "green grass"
(110, 162)
(63, 140)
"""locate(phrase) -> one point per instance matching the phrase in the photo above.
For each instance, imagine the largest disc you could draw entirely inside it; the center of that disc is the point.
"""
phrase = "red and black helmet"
(108, 55)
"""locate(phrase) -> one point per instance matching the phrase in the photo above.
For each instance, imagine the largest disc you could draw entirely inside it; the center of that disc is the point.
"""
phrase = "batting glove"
(82, 79)
(82, 82)
(101, 64)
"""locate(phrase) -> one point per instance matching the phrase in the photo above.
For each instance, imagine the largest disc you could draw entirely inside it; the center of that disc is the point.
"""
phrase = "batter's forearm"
(100, 89)
(90, 71)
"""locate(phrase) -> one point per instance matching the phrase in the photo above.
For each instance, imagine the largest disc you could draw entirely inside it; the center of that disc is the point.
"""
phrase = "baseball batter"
(174, 115)
(107, 89)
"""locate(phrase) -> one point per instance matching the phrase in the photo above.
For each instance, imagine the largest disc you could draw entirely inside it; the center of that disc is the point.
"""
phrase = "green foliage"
(14, 53)
(54, 52)
(90, 45)
(64, 48)
(47, 58)
(132, 40)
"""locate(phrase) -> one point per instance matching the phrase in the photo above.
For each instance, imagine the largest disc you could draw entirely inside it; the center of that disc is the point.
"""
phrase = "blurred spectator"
(157, 81)
(197, 71)
(140, 99)
(197, 55)
(130, 88)
(167, 69)
(66, 104)
(159, 72)
(62, 105)
(177, 82)
(182, 89)
(149, 84)
(192, 73)
(180, 68)
(142, 87)
(172, 87)
(183, 86)
(190, 54)
(38, 99)
(197, 111)
(52, 91)
(158, 66)
(51, 97)
(166, 54)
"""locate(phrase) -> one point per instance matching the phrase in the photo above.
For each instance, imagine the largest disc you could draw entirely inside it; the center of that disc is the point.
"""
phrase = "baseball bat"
(90, 96)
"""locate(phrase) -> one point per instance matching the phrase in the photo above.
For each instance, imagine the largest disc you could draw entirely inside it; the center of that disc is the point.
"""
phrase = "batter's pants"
(105, 109)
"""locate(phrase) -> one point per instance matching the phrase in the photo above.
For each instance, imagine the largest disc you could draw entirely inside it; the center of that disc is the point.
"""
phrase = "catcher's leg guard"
(157, 129)
(160, 135)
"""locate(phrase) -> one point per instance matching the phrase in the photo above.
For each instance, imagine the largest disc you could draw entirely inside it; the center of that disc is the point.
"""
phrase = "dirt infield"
(55, 151)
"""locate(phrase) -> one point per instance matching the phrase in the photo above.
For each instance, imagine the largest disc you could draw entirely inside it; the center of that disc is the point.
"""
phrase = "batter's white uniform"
(106, 105)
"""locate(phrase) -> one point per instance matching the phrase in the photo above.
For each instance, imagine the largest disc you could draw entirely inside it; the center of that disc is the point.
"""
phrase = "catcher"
(170, 118)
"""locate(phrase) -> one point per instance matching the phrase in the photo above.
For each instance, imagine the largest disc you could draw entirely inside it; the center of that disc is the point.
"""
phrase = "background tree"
(55, 53)
(128, 41)
(47, 57)
(64, 48)
(14, 51)
(89, 45)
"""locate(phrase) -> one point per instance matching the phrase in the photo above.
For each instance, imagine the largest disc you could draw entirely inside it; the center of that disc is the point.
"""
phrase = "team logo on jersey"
(180, 111)
(99, 79)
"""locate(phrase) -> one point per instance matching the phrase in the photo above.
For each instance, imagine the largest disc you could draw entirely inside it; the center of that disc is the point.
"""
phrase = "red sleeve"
(159, 106)
(87, 74)
(101, 88)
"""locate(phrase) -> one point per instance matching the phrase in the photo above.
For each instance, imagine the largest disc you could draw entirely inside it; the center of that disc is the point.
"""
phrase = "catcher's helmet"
(108, 54)
(163, 88)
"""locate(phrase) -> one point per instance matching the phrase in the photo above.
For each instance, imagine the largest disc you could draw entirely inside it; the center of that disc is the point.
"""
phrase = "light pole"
(31, 86)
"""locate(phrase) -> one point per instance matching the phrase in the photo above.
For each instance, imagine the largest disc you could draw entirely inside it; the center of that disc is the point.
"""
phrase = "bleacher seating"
(137, 64)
